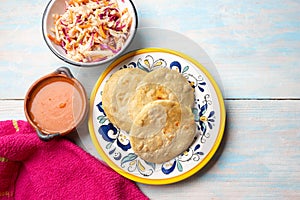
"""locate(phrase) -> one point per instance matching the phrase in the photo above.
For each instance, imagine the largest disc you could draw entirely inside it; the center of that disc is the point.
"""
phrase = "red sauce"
(56, 107)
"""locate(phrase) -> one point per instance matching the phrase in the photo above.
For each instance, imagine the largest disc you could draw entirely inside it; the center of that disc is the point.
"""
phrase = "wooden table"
(255, 50)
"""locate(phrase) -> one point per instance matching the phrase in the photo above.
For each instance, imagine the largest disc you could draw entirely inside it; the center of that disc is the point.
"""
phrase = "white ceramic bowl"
(58, 7)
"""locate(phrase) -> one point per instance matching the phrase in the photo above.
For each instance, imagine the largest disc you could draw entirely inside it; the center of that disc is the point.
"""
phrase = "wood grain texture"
(254, 44)
(12, 109)
(258, 157)
(255, 48)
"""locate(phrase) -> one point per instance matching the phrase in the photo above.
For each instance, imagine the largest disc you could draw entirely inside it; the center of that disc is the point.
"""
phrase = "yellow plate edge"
(167, 180)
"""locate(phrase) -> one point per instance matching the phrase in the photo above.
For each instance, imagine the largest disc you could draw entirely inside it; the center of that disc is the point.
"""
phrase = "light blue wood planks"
(254, 45)
(258, 157)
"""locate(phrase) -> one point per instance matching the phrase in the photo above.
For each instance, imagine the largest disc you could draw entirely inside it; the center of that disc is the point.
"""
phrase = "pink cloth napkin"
(58, 169)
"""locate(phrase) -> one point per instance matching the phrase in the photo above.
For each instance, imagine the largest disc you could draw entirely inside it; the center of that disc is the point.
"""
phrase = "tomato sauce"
(56, 106)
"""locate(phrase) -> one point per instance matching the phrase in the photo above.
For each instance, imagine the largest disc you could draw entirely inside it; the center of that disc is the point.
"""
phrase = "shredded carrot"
(83, 26)
(71, 2)
(101, 32)
(53, 39)
(105, 2)
(91, 29)
(71, 16)
(124, 11)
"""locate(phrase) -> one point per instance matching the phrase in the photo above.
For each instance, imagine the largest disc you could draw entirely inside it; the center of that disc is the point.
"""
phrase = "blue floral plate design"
(113, 144)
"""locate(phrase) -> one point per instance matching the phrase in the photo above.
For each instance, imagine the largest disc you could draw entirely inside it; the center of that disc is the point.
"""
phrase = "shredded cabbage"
(91, 30)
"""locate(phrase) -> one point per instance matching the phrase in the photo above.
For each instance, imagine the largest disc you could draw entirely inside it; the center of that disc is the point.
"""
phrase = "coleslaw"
(91, 30)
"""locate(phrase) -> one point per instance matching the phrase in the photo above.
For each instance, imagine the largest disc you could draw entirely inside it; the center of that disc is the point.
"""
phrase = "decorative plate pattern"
(113, 144)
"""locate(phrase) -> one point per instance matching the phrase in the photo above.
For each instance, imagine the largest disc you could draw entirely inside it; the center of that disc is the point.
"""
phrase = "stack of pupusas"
(154, 108)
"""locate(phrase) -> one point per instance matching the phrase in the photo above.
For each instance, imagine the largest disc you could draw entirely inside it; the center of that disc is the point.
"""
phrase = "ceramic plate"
(113, 144)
